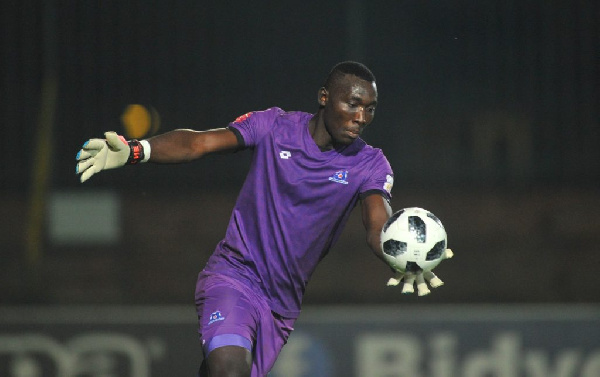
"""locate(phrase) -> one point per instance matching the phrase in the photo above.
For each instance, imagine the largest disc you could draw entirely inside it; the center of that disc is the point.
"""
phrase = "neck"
(319, 133)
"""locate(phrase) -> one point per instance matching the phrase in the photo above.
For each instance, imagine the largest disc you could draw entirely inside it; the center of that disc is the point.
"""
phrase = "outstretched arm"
(172, 147)
(375, 212)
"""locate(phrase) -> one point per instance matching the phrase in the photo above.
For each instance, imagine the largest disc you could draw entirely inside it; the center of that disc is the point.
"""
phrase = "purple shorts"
(230, 313)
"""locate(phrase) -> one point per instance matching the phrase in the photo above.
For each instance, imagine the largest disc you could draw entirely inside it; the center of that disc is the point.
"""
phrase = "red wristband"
(136, 153)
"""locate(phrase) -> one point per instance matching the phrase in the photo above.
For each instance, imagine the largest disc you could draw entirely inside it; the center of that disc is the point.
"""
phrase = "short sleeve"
(251, 127)
(381, 179)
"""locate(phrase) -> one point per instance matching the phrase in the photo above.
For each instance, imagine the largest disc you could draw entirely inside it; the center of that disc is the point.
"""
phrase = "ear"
(323, 96)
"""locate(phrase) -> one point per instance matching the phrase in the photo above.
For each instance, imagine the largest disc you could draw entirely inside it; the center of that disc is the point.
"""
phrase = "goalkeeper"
(308, 172)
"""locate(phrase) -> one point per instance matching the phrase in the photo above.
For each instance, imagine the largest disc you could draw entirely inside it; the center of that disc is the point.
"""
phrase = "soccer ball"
(413, 240)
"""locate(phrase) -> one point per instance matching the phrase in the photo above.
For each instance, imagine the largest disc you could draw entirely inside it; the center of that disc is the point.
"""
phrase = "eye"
(371, 109)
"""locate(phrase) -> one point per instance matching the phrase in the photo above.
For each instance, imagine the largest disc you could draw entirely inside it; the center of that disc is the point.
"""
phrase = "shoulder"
(374, 161)
(379, 175)
(368, 152)
(258, 115)
(294, 117)
(254, 126)
(272, 115)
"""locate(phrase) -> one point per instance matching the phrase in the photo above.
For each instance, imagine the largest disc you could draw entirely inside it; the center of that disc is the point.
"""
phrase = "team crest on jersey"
(340, 177)
(242, 118)
(216, 316)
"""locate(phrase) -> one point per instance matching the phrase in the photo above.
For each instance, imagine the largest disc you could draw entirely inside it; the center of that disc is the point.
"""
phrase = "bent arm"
(375, 212)
(186, 145)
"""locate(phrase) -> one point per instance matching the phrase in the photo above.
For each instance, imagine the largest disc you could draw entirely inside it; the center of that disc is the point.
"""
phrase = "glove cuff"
(136, 152)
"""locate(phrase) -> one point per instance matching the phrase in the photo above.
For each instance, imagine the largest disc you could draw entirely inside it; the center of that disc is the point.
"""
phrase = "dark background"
(488, 113)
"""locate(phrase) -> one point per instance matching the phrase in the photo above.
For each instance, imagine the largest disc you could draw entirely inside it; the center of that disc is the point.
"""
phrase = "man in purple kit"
(308, 172)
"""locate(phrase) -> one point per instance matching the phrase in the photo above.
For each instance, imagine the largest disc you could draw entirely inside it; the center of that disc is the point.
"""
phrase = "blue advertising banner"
(428, 341)
(440, 341)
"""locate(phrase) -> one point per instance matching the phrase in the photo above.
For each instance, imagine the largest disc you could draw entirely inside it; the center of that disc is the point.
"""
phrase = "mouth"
(353, 133)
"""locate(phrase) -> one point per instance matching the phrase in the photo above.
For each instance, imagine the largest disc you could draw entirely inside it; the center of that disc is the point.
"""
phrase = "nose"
(361, 116)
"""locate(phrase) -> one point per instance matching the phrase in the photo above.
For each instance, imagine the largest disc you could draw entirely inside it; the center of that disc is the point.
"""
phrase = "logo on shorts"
(216, 316)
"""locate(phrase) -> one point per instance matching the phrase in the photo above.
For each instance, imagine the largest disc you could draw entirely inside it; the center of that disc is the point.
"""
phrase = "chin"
(345, 141)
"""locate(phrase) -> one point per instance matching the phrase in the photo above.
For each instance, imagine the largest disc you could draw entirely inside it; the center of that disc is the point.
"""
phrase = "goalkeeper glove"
(422, 278)
(99, 154)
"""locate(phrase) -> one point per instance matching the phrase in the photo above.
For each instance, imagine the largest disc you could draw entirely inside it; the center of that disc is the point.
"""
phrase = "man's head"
(348, 68)
(347, 101)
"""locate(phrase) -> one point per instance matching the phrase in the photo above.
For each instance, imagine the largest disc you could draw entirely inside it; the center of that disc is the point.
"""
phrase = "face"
(348, 107)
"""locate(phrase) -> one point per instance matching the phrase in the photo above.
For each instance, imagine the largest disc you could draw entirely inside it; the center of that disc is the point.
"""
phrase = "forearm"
(374, 242)
(376, 210)
(184, 145)
(172, 147)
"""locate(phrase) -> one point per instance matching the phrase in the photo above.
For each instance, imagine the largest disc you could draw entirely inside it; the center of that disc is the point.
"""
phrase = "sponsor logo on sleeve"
(242, 118)
(389, 183)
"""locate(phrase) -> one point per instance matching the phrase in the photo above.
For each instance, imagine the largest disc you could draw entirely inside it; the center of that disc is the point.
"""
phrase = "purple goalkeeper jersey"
(293, 205)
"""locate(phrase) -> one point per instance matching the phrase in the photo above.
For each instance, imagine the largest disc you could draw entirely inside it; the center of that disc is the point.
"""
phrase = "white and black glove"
(422, 278)
(110, 153)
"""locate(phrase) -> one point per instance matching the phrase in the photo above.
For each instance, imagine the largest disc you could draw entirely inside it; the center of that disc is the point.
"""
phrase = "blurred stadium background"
(489, 115)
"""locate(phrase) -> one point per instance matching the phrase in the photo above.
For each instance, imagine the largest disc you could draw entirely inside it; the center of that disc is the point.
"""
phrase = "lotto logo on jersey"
(340, 177)
(242, 118)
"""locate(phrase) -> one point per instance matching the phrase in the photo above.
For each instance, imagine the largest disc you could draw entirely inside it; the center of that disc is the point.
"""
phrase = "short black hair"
(348, 68)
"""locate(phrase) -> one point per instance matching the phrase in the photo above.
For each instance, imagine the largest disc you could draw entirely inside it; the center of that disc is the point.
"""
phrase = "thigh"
(226, 314)
(232, 318)
(229, 361)
(272, 335)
